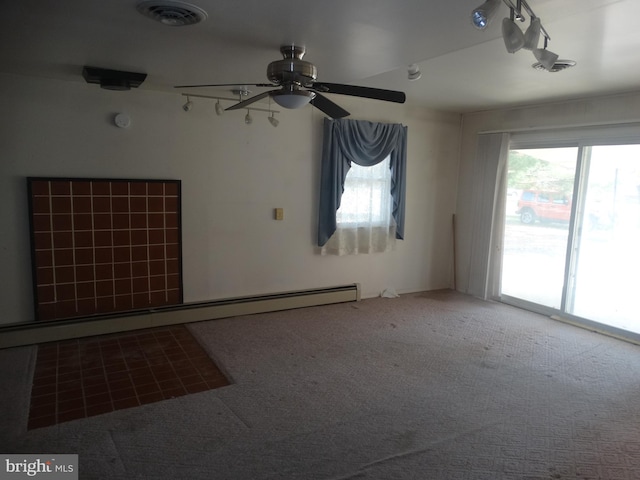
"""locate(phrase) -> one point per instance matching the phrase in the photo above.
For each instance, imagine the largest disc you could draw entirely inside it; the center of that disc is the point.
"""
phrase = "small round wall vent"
(172, 13)
(557, 67)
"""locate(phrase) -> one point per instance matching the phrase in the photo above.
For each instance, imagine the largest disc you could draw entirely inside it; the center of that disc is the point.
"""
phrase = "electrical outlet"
(278, 213)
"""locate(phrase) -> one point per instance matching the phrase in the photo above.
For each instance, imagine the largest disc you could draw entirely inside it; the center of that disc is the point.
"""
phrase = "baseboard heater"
(14, 335)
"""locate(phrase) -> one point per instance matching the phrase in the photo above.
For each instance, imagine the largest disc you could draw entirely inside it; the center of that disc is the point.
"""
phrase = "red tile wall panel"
(104, 245)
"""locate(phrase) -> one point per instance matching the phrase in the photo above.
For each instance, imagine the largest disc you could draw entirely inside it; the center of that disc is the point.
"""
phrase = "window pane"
(367, 195)
(608, 254)
(540, 188)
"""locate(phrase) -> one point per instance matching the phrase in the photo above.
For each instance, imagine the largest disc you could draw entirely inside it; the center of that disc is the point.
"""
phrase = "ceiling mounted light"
(187, 106)
(293, 98)
(273, 120)
(413, 72)
(482, 16)
(532, 35)
(219, 109)
(511, 34)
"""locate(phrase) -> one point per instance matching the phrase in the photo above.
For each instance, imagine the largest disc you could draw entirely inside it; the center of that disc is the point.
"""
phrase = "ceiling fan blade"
(227, 85)
(327, 107)
(249, 101)
(366, 92)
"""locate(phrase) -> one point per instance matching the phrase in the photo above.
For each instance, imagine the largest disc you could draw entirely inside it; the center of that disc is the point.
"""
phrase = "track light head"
(482, 16)
(532, 35)
(512, 35)
(187, 106)
(248, 119)
(546, 58)
(219, 109)
(273, 120)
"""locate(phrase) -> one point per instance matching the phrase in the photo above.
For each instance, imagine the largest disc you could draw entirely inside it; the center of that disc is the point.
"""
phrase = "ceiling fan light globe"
(293, 99)
(546, 58)
(532, 35)
(512, 36)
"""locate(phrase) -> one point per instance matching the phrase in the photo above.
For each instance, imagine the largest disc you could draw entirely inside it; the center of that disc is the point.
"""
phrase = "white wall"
(607, 110)
(233, 175)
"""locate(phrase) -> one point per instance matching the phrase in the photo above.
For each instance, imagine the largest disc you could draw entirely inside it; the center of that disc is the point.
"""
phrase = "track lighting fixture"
(273, 120)
(512, 34)
(219, 109)
(187, 106)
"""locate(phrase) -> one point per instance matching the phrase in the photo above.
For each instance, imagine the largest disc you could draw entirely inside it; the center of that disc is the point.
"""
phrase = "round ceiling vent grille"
(557, 67)
(172, 13)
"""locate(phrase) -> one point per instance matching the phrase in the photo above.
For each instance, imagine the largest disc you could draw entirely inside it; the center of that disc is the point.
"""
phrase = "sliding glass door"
(571, 240)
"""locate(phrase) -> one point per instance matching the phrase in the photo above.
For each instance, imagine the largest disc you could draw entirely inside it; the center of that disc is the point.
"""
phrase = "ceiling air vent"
(557, 67)
(172, 13)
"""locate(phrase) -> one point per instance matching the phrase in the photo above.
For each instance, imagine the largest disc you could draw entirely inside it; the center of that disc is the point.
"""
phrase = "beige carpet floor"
(432, 385)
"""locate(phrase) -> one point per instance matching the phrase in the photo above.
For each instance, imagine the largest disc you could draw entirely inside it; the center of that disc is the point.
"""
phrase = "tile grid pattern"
(86, 377)
(105, 246)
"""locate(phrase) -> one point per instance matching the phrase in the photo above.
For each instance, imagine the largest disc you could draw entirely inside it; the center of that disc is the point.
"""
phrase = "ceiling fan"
(296, 79)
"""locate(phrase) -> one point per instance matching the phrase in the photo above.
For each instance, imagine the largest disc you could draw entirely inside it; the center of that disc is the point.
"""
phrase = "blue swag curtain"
(364, 143)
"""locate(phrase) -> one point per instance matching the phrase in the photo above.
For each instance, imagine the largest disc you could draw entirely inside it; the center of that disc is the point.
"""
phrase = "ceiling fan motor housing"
(292, 69)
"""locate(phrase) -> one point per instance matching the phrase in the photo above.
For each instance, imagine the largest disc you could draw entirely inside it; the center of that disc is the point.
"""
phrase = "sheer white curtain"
(365, 222)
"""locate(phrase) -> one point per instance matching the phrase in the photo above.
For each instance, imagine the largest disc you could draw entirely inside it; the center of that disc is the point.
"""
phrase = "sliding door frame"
(576, 223)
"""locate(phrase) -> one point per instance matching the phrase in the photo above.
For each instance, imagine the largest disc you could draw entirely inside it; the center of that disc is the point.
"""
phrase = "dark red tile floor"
(90, 376)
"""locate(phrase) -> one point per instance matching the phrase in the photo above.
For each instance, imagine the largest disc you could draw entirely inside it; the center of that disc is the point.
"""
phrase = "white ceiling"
(360, 42)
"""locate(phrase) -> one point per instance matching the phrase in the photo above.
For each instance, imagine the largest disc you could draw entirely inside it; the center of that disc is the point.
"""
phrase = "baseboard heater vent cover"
(14, 335)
